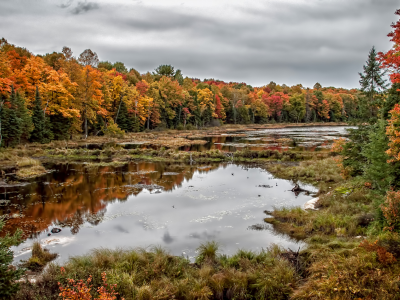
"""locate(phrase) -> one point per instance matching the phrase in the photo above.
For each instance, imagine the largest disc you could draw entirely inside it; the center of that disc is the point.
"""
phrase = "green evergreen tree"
(372, 81)
(376, 169)
(207, 116)
(99, 126)
(123, 119)
(243, 115)
(393, 98)
(179, 77)
(9, 275)
(135, 123)
(24, 116)
(320, 97)
(11, 123)
(48, 135)
(4, 124)
(60, 126)
(38, 135)
(313, 116)
(353, 150)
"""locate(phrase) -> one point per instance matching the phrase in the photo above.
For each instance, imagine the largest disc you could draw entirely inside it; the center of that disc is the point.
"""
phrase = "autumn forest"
(57, 95)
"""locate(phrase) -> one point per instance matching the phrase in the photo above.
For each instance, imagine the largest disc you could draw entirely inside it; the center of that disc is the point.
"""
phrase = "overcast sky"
(286, 41)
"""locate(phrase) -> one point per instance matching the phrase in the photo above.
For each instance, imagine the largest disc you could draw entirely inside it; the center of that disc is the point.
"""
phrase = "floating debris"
(258, 227)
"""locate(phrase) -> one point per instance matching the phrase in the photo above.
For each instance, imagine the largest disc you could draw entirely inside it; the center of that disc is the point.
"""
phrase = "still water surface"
(145, 204)
(302, 138)
(312, 138)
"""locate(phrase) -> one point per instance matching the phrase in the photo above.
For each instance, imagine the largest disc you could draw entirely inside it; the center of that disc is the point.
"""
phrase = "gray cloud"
(285, 41)
(84, 7)
(66, 4)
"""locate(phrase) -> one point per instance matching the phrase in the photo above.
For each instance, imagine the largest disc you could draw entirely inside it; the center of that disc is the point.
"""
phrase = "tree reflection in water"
(75, 194)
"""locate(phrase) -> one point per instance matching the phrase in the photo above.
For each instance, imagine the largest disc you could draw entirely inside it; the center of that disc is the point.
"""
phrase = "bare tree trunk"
(86, 127)
(148, 119)
(119, 106)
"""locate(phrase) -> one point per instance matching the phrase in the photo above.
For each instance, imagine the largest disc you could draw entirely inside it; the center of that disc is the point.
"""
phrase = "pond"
(312, 138)
(300, 138)
(145, 204)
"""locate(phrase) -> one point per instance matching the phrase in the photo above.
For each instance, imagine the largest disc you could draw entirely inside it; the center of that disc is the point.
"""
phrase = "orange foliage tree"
(393, 133)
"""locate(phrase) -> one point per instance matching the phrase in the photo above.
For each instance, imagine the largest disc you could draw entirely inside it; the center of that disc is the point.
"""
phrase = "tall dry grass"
(155, 274)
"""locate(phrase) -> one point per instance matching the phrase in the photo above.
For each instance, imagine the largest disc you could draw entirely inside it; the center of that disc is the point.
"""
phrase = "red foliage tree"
(391, 59)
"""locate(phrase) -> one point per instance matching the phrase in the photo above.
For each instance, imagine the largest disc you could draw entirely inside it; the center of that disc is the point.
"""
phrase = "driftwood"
(293, 258)
(297, 190)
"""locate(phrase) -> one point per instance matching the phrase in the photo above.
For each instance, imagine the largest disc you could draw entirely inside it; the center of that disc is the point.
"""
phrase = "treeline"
(57, 95)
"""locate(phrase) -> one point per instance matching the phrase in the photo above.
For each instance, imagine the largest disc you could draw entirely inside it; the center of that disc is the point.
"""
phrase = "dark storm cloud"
(84, 7)
(286, 41)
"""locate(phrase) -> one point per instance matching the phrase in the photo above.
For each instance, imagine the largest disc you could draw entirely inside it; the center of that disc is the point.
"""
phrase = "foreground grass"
(328, 268)
(155, 274)
(344, 268)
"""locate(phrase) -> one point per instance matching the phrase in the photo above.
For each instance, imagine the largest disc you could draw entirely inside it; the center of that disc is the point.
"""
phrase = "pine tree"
(3, 124)
(372, 82)
(376, 169)
(48, 135)
(393, 98)
(37, 135)
(11, 123)
(123, 120)
(135, 122)
(99, 126)
(313, 116)
(24, 116)
(352, 150)
(60, 126)
(9, 275)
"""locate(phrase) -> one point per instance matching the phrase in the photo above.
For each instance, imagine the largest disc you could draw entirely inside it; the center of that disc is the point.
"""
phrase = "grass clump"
(338, 215)
(93, 165)
(311, 171)
(207, 252)
(29, 167)
(39, 259)
(155, 274)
